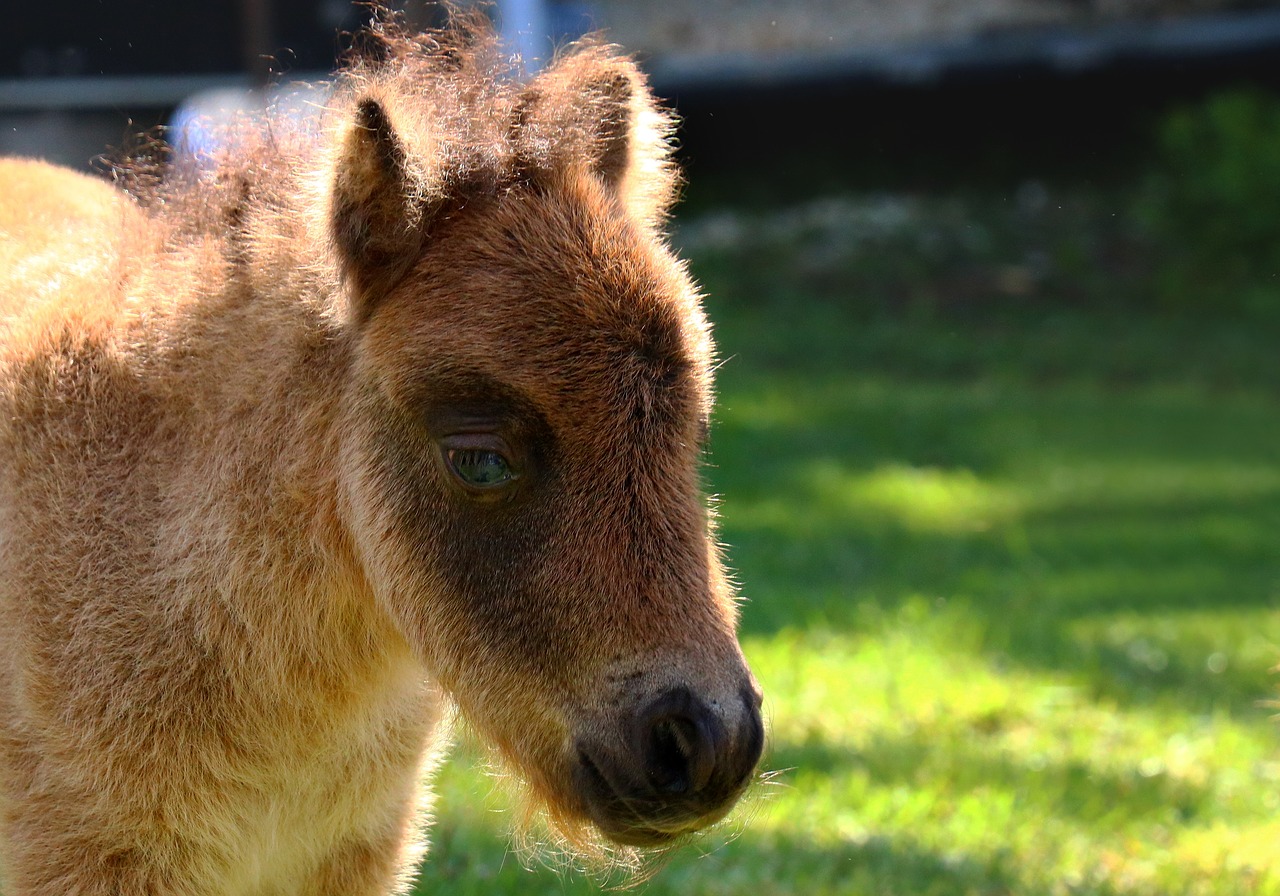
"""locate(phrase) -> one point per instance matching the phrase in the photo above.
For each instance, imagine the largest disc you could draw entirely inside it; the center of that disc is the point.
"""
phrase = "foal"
(400, 413)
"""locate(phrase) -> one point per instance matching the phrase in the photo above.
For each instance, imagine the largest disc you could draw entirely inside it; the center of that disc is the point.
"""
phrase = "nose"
(682, 764)
(679, 742)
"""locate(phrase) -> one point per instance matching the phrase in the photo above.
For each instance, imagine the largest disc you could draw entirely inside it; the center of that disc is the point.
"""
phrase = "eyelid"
(479, 440)
(460, 416)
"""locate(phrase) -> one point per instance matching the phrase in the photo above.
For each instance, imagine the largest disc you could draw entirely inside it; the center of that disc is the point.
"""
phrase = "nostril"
(678, 743)
(673, 748)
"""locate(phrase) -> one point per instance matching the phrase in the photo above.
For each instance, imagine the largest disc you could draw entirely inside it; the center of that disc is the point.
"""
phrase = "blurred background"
(998, 442)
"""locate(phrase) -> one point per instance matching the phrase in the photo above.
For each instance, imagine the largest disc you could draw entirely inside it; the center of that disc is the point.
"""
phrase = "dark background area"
(974, 128)
(988, 109)
(148, 37)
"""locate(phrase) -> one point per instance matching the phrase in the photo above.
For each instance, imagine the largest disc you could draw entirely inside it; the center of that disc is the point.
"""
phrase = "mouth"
(645, 820)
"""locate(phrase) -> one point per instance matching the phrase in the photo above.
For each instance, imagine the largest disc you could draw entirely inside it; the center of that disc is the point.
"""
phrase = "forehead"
(563, 300)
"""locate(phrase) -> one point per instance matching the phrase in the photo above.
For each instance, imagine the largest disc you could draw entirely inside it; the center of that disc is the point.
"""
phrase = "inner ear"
(615, 94)
(584, 107)
(376, 221)
(372, 121)
(592, 108)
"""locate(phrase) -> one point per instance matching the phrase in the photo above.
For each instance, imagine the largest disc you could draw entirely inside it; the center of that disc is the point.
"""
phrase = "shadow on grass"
(963, 762)
(755, 862)
(1136, 606)
(863, 863)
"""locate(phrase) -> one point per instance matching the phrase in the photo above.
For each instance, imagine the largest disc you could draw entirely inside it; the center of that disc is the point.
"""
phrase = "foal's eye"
(481, 468)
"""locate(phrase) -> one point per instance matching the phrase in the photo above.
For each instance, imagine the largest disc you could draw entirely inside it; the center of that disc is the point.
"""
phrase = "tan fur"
(238, 585)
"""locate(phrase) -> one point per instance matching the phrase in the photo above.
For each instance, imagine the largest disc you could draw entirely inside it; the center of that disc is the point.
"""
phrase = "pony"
(372, 420)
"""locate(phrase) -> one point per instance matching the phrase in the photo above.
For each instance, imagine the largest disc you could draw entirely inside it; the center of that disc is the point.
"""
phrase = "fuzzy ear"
(613, 94)
(376, 219)
(594, 106)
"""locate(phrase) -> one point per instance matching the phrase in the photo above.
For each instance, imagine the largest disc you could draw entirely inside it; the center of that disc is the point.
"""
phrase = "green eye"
(480, 467)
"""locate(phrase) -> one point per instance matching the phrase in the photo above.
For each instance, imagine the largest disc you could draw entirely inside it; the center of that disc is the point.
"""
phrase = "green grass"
(1010, 547)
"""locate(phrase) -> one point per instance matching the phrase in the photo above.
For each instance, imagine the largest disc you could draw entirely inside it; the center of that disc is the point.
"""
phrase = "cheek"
(472, 571)
(491, 565)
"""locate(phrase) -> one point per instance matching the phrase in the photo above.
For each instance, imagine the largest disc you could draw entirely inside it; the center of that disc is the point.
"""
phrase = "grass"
(1008, 539)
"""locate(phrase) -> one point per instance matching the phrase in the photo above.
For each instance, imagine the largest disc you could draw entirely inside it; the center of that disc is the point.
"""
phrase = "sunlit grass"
(922, 499)
(974, 757)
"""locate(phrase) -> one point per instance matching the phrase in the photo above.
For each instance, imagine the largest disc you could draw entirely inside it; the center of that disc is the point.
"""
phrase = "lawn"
(1007, 529)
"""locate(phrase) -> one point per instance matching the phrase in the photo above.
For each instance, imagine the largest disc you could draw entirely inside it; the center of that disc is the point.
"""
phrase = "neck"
(264, 554)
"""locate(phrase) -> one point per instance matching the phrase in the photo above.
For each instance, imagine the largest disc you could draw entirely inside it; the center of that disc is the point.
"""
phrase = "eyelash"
(467, 465)
(481, 464)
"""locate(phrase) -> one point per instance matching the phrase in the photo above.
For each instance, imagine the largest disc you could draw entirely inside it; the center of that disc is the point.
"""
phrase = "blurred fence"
(99, 76)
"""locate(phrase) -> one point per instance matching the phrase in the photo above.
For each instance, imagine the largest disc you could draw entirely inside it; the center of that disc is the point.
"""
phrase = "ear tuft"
(593, 105)
(375, 219)
(615, 94)
(372, 119)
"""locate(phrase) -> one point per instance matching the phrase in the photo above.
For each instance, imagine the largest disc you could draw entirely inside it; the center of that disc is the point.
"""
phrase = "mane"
(263, 196)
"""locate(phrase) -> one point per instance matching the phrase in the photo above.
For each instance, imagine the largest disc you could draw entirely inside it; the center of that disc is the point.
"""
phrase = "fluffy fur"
(241, 584)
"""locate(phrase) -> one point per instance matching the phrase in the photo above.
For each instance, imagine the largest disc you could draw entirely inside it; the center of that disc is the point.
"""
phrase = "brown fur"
(240, 587)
